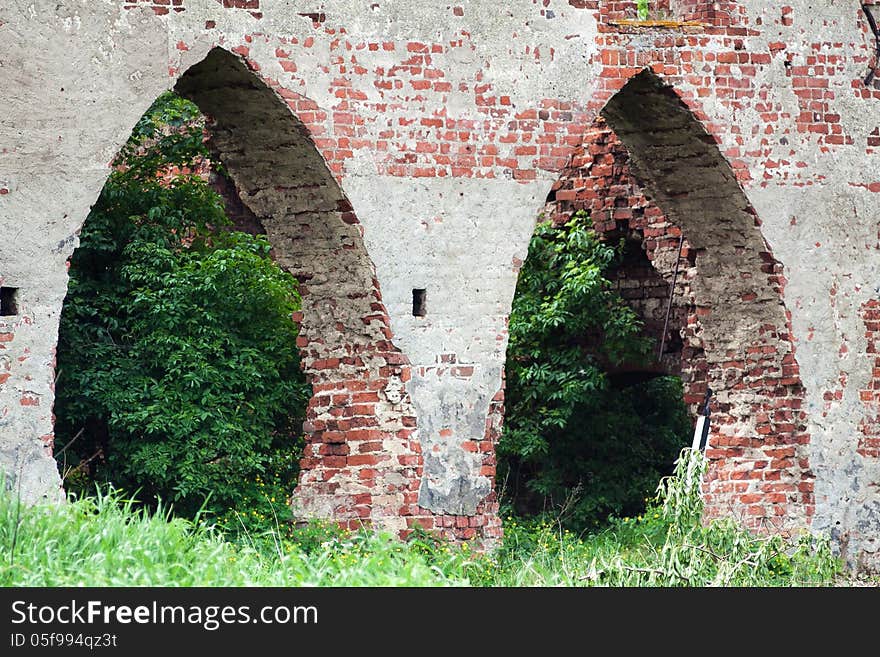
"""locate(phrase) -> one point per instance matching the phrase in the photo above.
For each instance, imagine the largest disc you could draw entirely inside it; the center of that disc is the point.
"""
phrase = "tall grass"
(107, 540)
(667, 546)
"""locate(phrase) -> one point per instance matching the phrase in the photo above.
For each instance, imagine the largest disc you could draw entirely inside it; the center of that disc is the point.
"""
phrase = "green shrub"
(570, 439)
(179, 375)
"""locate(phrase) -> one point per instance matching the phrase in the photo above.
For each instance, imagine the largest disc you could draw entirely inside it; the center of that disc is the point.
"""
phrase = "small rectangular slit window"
(8, 301)
(419, 309)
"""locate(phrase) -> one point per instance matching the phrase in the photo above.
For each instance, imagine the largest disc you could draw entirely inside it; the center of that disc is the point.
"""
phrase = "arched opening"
(737, 339)
(695, 269)
(179, 377)
(359, 430)
(595, 409)
(656, 260)
(360, 462)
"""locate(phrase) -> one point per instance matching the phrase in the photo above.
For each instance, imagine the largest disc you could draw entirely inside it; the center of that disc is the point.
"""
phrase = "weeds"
(109, 540)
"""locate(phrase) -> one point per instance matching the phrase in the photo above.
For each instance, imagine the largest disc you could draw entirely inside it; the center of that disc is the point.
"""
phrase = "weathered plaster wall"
(445, 127)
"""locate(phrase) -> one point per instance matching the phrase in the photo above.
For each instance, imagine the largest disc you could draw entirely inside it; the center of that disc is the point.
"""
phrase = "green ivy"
(179, 376)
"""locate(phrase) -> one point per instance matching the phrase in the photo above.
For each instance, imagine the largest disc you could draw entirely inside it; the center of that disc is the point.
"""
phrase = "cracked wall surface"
(444, 127)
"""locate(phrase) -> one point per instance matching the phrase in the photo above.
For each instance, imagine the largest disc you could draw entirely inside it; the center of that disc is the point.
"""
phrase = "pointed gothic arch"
(361, 463)
(738, 332)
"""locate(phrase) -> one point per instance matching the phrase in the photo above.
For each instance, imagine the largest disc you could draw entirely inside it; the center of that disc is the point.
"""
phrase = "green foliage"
(106, 540)
(178, 372)
(642, 9)
(665, 546)
(570, 439)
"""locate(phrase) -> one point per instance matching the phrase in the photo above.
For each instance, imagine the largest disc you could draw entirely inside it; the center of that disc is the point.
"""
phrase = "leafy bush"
(178, 370)
(570, 439)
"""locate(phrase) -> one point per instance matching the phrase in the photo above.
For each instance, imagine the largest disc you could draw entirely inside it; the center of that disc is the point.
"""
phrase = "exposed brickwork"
(20, 392)
(736, 288)
(510, 143)
(869, 441)
(461, 96)
(507, 142)
(7, 335)
(240, 4)
(362, 463)
(499, 143)
(160, 7)
(598, 180)
(615, 10)
(761, 367)
(708, 11)
(253, 6)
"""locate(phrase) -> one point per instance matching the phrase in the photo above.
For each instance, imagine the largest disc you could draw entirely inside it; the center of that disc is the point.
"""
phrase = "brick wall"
(712, 12)
(7, 335)
(759, 445)
(162, 7)
(869, 441)
(22, 393)
(598, 180)
(362, 464)
(432, 117)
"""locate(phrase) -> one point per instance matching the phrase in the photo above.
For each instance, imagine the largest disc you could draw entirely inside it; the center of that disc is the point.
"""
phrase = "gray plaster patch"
(453, 410)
